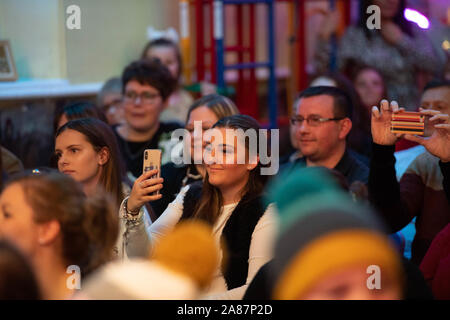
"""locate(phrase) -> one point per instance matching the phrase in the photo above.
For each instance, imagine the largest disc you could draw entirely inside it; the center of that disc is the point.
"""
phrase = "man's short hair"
(150, 72)
(437, 83)
(342, 107)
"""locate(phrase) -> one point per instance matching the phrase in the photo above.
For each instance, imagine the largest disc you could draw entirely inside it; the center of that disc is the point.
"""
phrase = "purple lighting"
(417, 17)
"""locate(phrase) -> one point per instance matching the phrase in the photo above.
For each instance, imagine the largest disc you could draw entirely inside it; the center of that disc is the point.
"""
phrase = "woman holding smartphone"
(229, 199)
(86, 150)
(207, 110)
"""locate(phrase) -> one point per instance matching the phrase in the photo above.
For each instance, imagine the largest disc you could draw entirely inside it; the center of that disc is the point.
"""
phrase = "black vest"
(237, 233)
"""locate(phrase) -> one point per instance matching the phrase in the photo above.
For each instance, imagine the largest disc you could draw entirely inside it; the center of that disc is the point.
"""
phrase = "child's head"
(168, 52)
(87, 150)
(147, 85)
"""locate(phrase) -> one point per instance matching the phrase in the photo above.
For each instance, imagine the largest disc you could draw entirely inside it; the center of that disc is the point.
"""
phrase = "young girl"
(229, 199)
(87, 151)
(208, 109)
(56, 226)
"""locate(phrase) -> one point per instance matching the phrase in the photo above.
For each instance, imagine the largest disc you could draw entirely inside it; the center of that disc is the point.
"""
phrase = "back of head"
(150, 72)
(322, 233)
(88, 226)
(17, 279)
(77, 110)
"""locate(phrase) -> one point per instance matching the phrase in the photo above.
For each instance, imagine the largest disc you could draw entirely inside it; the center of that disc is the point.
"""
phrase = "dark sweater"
(132, 152)
(352, 169)
(419, 194)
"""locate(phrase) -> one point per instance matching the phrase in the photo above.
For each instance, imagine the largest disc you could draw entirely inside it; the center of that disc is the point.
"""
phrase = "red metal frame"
(246, 92)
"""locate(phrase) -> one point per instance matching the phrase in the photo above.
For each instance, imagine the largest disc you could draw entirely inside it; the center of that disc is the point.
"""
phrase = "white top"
(261, 246)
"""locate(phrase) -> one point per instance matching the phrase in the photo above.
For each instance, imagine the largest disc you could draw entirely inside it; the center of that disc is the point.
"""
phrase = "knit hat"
(323, 231)
(183, 263)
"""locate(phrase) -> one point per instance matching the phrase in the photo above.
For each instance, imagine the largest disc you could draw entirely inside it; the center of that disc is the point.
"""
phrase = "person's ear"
(48, 232)
(346, 126)
(252, 163)
(103, 156)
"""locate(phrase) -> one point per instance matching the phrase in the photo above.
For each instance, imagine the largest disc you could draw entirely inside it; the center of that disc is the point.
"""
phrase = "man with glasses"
(146, 86)
(320, 124)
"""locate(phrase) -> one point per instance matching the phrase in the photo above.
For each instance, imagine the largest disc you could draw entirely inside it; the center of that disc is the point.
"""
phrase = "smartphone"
(152, 161)
(408, 123)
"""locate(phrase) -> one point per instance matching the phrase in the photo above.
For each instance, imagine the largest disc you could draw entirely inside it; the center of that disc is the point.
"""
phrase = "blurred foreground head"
(329, 247)
(181, 266)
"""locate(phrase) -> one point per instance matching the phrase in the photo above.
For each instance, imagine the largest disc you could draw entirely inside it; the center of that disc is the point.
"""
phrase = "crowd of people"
(326, 226)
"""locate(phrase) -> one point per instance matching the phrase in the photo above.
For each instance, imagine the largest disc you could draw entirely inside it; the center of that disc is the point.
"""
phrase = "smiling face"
(208, 119)
(318, 142)
(222, 173)
(142, 113)
(16, 220)
(77, 157)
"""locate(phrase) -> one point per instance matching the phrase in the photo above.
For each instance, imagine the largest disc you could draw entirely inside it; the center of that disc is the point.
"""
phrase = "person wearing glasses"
(146, 84)
(321, 124)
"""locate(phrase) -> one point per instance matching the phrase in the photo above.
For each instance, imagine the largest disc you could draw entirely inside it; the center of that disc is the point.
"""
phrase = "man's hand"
(439, 142)
(381, 123)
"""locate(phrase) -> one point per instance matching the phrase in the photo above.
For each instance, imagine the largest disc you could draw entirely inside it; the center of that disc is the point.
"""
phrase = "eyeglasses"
(312, 121)
(145, 97)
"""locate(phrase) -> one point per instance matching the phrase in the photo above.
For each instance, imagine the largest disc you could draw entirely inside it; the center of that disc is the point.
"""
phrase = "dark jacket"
(237, 233)
(352, 169)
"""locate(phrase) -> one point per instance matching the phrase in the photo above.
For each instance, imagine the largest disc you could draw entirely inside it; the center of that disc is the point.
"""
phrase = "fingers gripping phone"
(152, 161)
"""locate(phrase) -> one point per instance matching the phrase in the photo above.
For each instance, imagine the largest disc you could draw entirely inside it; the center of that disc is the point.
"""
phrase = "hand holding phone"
(146, 187)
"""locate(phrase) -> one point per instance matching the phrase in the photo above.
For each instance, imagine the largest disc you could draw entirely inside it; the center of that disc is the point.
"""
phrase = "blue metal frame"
(221, 67)
(333, 43)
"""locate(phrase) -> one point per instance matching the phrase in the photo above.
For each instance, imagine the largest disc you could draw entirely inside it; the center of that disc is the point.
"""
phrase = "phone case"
(152, 160)
(408, 123)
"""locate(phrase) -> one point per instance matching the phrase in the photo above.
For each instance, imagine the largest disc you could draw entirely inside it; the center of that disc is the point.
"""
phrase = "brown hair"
(88, 225)
(211, 201)
(221, 106)
(77, 110)
(163, 42)
(100, 135)
(152, 73)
